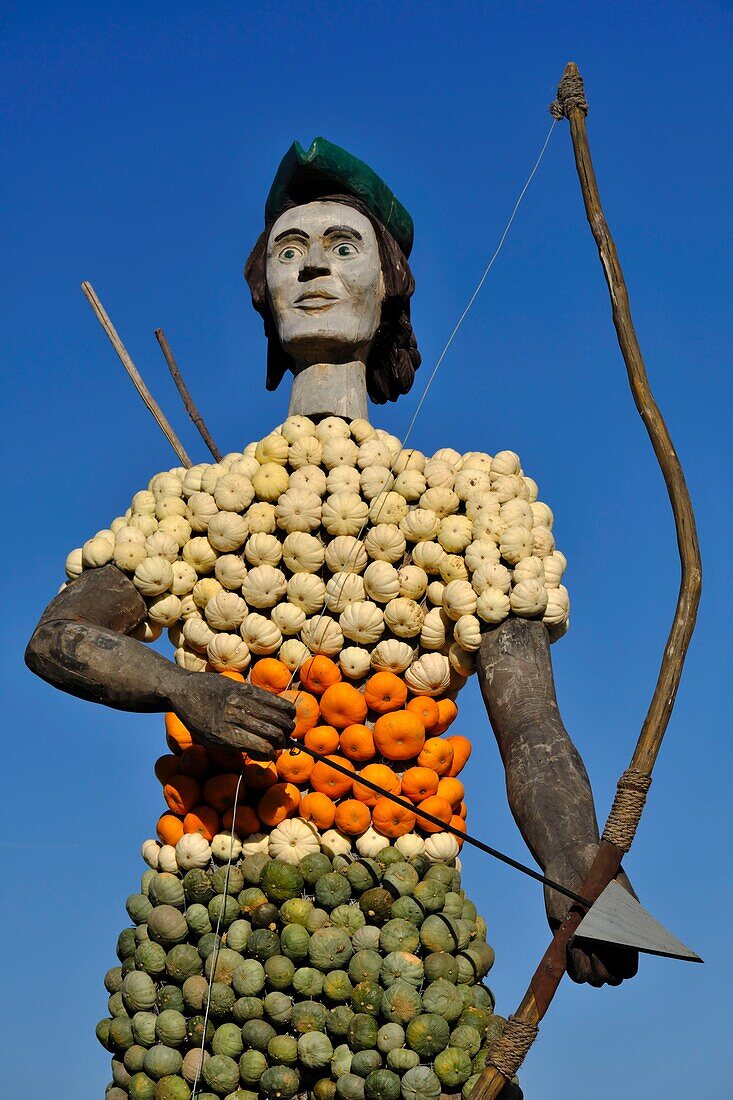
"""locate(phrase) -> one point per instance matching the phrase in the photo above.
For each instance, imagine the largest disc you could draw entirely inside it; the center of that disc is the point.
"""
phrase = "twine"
(570, 96)
(627, 808)
(510, 1049)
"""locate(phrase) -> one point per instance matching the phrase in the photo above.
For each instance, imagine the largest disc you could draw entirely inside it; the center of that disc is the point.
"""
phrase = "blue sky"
(140, 144)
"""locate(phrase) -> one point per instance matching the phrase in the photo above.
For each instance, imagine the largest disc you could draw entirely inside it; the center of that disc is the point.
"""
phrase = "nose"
(314, 264)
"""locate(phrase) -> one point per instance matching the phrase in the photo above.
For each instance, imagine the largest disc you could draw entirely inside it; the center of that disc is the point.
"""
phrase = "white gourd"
(533, 489)
(297, 427)
(197, 633)
(362, 430)
(192, 662)
(517, 511)
(307, 592)
(164, 610)
(233, 492)
(254, 844)
(200, 554)
(302, 553)
(459, 599)
(558, 606)
(178, 527)
(467, 633)
(483, 504)
(170, 506)
(381, 581)
(245, 466)
(488, 526)
(404, 617)
(344, 513)
(263, 549)
(528, 598)
(97, 552)
(370, 843)
(228, 652)
(354, 662)
(428, 556)
(273, 449)
(204, 590)
(529, 569)
(211, 475)
(162, 545)
(413, 582)
(408, 458)
(435, 592)
(436, 629)
(470, 482)
(226, 847)
(227, 531)
(455, 534)
(374, 453)
(311, 478)
(343, 589)
(542, 514)
(441, 847)
(391, 442)
(192, 479)
(129, 534)
(199, 510)
(441, 500)
(385, 542)
(410, 844)
(345, 554)
(439, 474)
(192, 851)
(332, 427)
(127, 555)
(410, 484)
(462, 664)
(146, 632)
(230, 571)
(288, 618)
(375, 480)
(293, 840)
(451, 456)
(230, 458)
(306, 451)
(392, 656)
(554, 566)
(270, 482)
(516, 543)
(543, 541)
(149, 850)
(189, 609)
(261, 635)
(143, 503)
(508, 487)
(264, 586)
(503, 463)
(167, 859)
(492, 606)
(477, 460)
(292, 653)
(491, 575)
(225, 611)
(453, 568)
(420, 525)
(343, 479)
(323, 635)
(339, 451)
(335, 844)
(298, 510)
(175, 633)
(481, 552)
(429, 675)
(362, 622)
(387, 507)
(153, 576)
(164, 486)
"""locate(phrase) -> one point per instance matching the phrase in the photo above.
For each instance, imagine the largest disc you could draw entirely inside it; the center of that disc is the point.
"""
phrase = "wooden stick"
(571, 104)
(134, 374)
(188, 401)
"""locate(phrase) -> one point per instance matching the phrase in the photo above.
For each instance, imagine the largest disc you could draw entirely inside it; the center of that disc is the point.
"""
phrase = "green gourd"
(221, 1074)
(170, 1028)
(228, 1040)
(283, 1050)
(281, 881)
(315, 1050)
(279, 1083)
(420, 1083)
(382, 1084)
(427, 1034)
(182, 961)
(452, 1067)
(329, 949)
(401, 1002)
(252, 1065)
(257, 1034)
(398, 935)
(162, 1061)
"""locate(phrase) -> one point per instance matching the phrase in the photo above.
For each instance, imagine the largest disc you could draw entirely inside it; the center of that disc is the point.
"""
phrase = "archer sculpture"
(342, 575)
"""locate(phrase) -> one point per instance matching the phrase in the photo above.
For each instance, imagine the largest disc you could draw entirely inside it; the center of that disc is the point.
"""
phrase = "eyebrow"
(293, 233)
(342, 231)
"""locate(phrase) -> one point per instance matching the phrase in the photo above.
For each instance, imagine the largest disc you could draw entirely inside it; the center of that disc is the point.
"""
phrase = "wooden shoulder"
(102, 597)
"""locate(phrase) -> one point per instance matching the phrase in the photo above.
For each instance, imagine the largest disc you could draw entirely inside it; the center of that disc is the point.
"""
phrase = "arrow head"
(617, 917)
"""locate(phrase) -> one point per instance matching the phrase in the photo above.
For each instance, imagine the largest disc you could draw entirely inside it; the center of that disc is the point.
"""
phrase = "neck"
(330, 389)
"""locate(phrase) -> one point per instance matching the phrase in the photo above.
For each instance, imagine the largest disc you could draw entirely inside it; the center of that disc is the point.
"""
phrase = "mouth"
(311, 300)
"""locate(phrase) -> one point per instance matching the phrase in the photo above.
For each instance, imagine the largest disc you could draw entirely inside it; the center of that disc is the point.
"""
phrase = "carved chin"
(317, 342)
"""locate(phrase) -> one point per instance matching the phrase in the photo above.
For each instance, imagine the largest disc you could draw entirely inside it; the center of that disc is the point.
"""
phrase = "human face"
(324, 283)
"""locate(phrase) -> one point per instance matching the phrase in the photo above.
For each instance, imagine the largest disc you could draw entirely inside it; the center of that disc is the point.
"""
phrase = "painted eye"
(289, 253)
(344, 249)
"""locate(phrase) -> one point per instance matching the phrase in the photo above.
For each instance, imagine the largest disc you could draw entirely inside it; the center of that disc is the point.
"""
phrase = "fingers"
(601, 964)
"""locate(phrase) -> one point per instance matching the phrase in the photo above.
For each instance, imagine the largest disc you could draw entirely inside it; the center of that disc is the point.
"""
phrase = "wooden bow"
(508, 1052)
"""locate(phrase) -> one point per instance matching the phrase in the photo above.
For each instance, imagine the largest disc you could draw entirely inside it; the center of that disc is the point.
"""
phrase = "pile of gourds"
(335, 978)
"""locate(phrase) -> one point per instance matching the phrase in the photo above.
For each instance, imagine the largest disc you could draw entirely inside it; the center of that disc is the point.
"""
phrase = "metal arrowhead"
(617, 917)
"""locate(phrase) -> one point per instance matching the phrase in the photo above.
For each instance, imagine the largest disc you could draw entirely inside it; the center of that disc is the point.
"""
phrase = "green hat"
(305, 175)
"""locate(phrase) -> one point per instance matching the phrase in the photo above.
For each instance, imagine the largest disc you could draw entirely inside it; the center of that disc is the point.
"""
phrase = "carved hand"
(220, 711)
(597, 964)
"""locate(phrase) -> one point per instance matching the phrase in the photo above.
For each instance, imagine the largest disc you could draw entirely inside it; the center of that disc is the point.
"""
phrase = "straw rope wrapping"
(510, 1049)
(628, 806)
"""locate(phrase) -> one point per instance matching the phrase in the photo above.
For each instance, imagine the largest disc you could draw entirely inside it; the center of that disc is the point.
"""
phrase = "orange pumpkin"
(357, 742)
(244, 822)
(194, 761)
(419, 783)
(294, 766)
(166, 766)
(319, 809)
(220, 790)
(463, 810)
(258, 775)
(452, 790)
(447, 713)
(270, 675)
(306, 711)
(382, 776)
(231, 674)
(319, 673)
(427, 711)
(392, 820)
(202, 820)
(436, 754)
(458, 823)
(384, 692)
(322, 739)
(399, 735)
(438, 807)
(182, 793)
(462, 749)
(342, 705)
(226, 759)
(169, 829)
(352, 817)
(177, 735)
(277, 803)
(328, 780)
